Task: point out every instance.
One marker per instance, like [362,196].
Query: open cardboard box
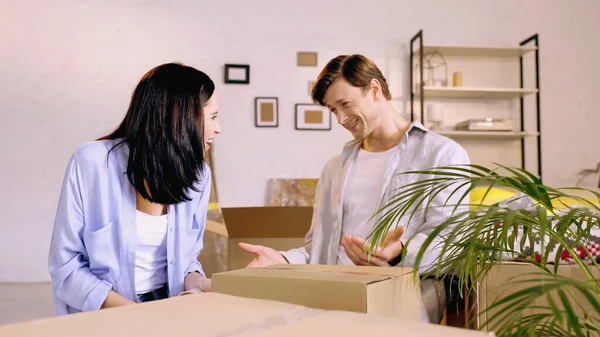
[502,279]
[223,315]
[384,291]
[278,227]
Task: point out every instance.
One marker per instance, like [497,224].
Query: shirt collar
[352,147]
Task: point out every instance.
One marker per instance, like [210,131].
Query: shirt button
[172,262]
[171,229]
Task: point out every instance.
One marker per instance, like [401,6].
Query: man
[354,184]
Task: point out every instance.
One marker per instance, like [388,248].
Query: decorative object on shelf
[312,117]
[434,116]
[457,79]
[433,76]
[307,59]
[237,73]
[266,112]
[486,124]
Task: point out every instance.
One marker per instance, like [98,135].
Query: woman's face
[211,124]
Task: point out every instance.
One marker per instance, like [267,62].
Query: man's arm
[302,255]
[436,214]
[267,256]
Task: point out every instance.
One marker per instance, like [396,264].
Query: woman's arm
[73,283]
[196,280]
[201,213]
[115,300]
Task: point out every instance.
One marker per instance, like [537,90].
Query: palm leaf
[468,243]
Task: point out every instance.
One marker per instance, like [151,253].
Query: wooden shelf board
[475,92]
[486,134]
[478,51]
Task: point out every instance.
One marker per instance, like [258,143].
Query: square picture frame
[237,73]
[312,117]
[266,112]
[307,59]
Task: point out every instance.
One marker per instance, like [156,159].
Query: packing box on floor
[223,315]
[278,227]
[507,278]
[385,291]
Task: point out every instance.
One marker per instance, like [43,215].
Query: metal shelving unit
[529,45]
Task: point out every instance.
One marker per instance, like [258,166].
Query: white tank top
[151,253]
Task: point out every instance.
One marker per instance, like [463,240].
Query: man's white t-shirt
[362,194]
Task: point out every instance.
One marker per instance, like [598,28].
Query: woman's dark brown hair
[164,132]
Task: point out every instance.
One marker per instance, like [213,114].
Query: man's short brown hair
[356,69]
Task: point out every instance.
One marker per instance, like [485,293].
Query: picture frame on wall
[307,59]
[266,112]
[237,73]
[312,117]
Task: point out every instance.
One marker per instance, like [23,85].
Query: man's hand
[265,256]
[357,249]
[195,280]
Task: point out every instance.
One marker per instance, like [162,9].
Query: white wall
[67,69]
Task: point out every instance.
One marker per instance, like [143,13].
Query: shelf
[487,134]
[473,92]
[478,51]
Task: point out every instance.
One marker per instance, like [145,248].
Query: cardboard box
[500,282]
[385,291]
[222,315]
[278,227]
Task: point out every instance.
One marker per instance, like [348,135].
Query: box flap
[267,222]
[345,274]
[215,227]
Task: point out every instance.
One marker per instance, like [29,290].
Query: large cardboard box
[214,252]
[226,316]
[278,227]
[507,278]
[385,291]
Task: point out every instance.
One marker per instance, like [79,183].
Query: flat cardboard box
[500,282]
[385,291]
[223,315]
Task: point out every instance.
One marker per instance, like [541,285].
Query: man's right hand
[265,256]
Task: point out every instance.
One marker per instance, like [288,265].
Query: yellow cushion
[561,203]
[495,195]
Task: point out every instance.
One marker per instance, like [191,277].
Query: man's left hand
[357,249]
[195,280]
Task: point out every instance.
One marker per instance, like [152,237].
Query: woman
[132,209]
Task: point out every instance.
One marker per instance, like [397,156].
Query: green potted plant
[482,236]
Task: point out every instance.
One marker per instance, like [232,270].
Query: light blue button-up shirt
[93,243]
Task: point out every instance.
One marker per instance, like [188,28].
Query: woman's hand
[115,300]
[195,280]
